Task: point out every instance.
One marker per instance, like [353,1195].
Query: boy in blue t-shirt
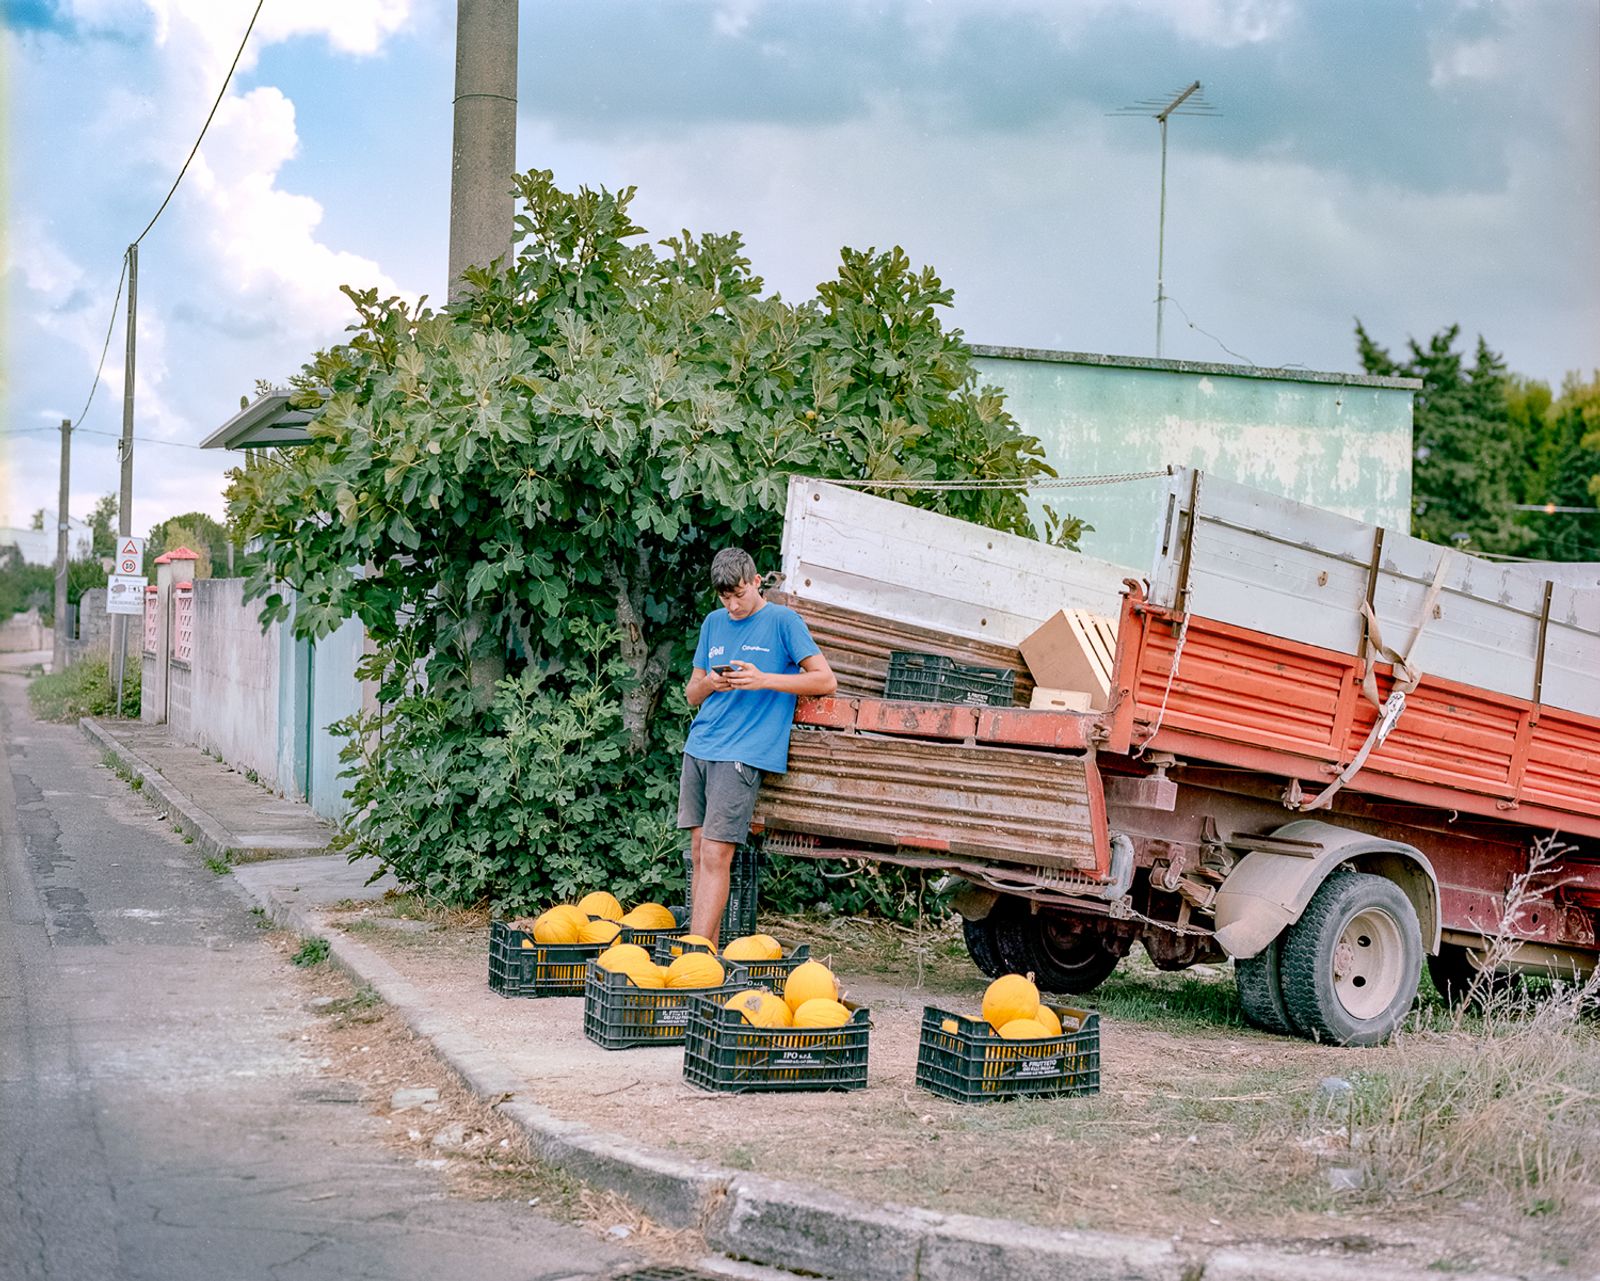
[752,661]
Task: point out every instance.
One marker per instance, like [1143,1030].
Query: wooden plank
[1279,567]
[989,802]
[848,548]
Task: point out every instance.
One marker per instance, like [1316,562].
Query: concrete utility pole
[58,653]
[484,154]
[125,449]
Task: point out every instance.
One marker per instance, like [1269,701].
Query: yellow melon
[556,926]
[622,957]
[697,939]
[1010,997]
[599,931]
[1046,1017]
[650,975]
[1024,1030]
[950,1025]
[528,943]
[694,969]
[601,906]
[650,916]
[754,947]
[763,1009]
[808,981]
[821,1012]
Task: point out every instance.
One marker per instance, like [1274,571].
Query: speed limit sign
[130,555]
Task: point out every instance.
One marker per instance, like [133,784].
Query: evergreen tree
[1464,446]
[1569,474]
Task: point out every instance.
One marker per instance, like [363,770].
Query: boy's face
[742,600]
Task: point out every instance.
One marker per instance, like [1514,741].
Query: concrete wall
[231,684]
[1338,441]
[23,634]
[94,628]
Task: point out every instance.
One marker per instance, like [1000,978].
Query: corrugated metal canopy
[267,422]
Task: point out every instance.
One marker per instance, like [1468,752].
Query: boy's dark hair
[730,567]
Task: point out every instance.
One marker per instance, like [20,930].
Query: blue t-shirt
[749,725]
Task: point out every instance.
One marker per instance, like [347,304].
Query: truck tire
[1060,957]
[1261,990]
[982,944]
[1351,963]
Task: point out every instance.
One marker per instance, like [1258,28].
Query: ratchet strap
[1406,677]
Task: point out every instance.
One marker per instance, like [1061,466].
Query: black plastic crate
[933,678]
[974,1064]
[768,973]
[725,1053]
[617,1015]
[744,889]
[647,939]
[518,966]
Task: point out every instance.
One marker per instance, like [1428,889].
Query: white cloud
[732,17]
[1466,60]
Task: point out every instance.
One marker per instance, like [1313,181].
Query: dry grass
[365,1042]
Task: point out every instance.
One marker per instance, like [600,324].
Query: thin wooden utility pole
[58,651]
[125,497]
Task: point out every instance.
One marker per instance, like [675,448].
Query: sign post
[125,595]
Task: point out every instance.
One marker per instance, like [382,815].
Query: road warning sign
[130,556]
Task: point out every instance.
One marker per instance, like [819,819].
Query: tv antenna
[1189,101]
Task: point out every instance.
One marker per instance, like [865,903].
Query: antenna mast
[1189,101]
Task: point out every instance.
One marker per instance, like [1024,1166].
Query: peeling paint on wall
[1342,442]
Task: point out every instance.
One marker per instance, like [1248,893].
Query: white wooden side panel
[1266,563]
[843,547]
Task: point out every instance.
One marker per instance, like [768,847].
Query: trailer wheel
[1061,956]
[1261,989]
[983,945]
[1351,963]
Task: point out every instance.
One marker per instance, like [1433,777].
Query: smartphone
[724,669]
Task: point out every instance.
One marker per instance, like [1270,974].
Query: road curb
[808,1229]
[213,840]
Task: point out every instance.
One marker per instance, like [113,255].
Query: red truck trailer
[1324,750]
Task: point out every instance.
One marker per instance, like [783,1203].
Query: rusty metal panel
[991,802]
[1563,767]
[1257,702]
[1242,686]
[1446,736]
[857,647]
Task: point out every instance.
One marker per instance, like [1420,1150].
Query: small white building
[38,546]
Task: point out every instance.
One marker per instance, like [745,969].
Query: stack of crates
[744,888]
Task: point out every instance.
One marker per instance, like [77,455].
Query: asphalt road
[157,1121]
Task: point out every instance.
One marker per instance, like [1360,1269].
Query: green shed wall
[1341,442]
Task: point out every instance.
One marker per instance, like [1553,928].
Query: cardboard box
[1073,649]
[1061,700]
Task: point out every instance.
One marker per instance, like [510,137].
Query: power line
[90,431]
[123,275]
[105,346]
[226,81]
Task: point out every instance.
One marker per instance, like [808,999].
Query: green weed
[313,951]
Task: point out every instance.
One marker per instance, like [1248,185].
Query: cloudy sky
[1415,163]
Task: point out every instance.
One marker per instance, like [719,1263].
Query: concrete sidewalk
[229,817]
[768,1221]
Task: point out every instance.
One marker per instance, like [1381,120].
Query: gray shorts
[718,797]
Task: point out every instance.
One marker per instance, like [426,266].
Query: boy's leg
[730,800]
[712,868]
